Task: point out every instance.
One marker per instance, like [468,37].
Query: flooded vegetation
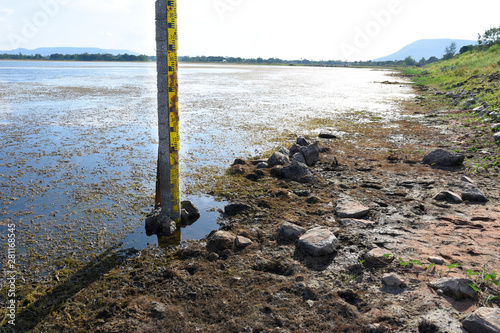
[79,142]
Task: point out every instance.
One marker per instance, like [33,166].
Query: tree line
[80,57]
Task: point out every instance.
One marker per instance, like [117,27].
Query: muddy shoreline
[247,277]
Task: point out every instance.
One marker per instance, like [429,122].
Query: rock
[158,224]
[436,260]
[347,208]
[299,158]
[448,196]
[278,158]
[479,109]
[454,287]
[392,280]
[284,151]
[220,241]
[378,257]
[483,320]
[440,321]
[290,232]
[239,161]
[189,212]
[295,149]
[301,141]
[495,127]
[356,223]
[318,242]
[235,209]
[496,137]
[242,242]
[473,194]
[324,134]
[311,154]
[237,169]
[441,157]
[262,165]
[495,115]
[466,179]
[298,171]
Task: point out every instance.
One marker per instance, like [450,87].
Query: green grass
[470,71]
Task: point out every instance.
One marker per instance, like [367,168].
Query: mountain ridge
[47,51]
[425,48]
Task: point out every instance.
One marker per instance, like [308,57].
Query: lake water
[79,141]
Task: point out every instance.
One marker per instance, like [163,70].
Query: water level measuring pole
[168,175]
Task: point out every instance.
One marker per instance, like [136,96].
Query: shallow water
[79,141]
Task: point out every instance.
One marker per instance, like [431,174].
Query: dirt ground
[271,286]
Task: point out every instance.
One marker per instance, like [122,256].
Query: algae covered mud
[79,142]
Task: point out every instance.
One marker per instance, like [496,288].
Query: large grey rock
[441,157]
[311,153]
[278,158]
[472,193]
[318,242]
[297,171]
[349,208]
[284,151]
[290,232]
[484,320]
[454,287]
[479,109]
[242,242]
[495,127]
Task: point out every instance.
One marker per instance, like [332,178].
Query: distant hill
[46,51]
[426,48]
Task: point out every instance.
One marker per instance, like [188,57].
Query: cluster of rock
[291,164]
[160,224]
[493,117]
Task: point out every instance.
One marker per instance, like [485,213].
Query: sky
[288,29]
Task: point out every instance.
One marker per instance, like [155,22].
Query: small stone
[262,165]
[190,213]
[483,320]
[220,241]
[318,242]
[473,194]
[441,157]
[392,280]
[466,179]
[350,208]
[242,242]
[436,260]
[449,197]
[324,134]
[454,287]
[479,109]
[378,257]
[496,137]
[284,151]
[290,232]
[357,223]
